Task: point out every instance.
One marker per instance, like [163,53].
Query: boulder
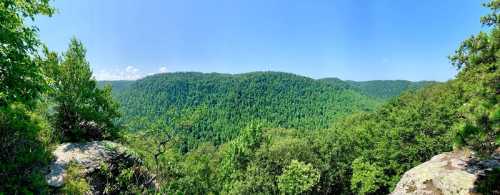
[90,156]
[458,172]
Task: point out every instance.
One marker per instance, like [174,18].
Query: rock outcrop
[457,172]
[91,156]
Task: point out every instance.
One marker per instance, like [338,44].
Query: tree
[366,177]
[21,78]
[83,111]
[23,150]
[297,178]
[479,82]
[237,154]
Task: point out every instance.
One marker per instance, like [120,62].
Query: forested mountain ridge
[117,86]
[386,89]
[222,104]
[225,103]
[381,89]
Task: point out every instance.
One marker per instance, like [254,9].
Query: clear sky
[349,39]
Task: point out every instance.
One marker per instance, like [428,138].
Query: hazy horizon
[135,79]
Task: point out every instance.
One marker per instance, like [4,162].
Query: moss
[119,176]
[75,181]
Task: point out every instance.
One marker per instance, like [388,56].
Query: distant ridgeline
[214,107]
[382,89]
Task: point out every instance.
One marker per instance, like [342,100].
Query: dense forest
[384,142]
[253,133]
[387,89]
[214,107]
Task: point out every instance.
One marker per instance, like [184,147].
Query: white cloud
[163,69]
[131,69]
[130,73]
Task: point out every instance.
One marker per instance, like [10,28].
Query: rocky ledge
[92,157]
[458,172]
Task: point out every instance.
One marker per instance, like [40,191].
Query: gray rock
[56,176]
[448,173]
[89,155]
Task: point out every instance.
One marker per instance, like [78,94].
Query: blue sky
[348,39]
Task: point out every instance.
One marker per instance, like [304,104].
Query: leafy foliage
[26,82]
[24,132]
[23,149]
[297,178]
[366,177]
[120,175]
[21,78]
[479,83]
[83,111]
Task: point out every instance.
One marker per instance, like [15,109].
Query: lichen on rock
[100,162]
[457,172]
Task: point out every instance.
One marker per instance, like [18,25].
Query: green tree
[297,178]
[366,177]
[237,154]
[21,78]
[83,111]
[197,169]
[398,136]
[479,82]
[23,149]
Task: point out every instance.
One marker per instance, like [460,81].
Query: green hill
[118,86]
[382,89]
[216,106]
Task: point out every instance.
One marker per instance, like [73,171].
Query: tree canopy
[479,83]
[83,110]
[21,77]
[24,132]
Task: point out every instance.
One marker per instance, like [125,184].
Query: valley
[71,123]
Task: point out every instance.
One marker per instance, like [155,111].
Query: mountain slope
[216,106]
[386,89]
[380,89]
[117,86]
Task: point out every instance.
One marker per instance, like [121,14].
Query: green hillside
[214,107]
[217,106]
[382,89]
[118,86]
